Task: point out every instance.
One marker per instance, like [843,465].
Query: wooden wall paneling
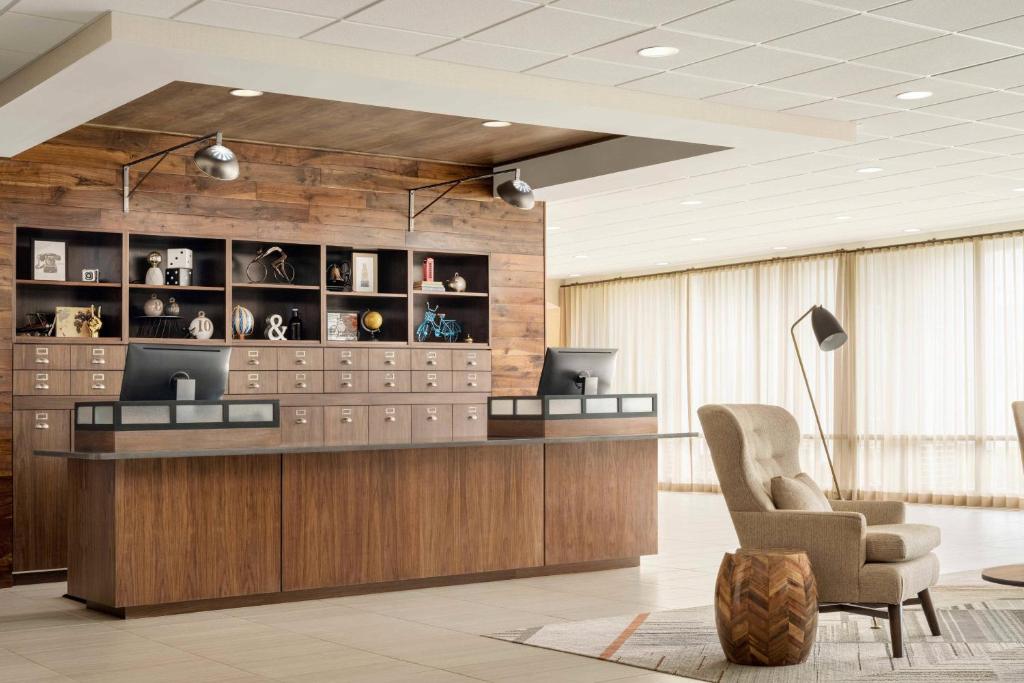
[7,325]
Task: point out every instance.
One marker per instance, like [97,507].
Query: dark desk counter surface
[328,448]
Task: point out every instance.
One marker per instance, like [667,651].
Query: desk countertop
[327,448]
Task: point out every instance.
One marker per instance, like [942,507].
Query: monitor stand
[184,387]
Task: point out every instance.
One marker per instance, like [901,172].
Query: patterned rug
[982,626]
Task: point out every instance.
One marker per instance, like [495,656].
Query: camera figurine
[90,275]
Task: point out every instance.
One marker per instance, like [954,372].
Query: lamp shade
[517,192]
[827,330]
[217,161]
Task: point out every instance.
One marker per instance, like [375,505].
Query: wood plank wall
[283,193]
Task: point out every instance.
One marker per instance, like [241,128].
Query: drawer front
[98,357]
[303,382]
[387,381]
[300,359]
[302,426]
[244,358]
[41,356]
[431,423]
[345,359]
[346,425]
[469,421]
[96,382]
[431,380]
[345,381]
[387,359]
[252,382]
[471,381]
[471,360]
[42,382]
[431,359]
[389,424]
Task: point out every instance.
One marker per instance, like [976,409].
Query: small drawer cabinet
[96,382]
[389,424]
[302,426]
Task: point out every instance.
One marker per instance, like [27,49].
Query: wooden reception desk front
[166,529]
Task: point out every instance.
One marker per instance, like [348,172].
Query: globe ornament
[371,322]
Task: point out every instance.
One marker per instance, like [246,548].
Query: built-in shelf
[174,340]
[26,339]
[369,295]
[468,294]
[268,285]
[180,288]
[67,283]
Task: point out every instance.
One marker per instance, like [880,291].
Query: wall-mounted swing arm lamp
[216,161]
[830,335]
[515,191]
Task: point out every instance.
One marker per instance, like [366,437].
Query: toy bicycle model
[257,270]
[448,330]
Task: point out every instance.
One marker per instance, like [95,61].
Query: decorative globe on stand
[371,322]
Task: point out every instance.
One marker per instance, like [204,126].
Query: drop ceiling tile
[1001,74]
[959,135]
[841,79]
[441,17]
[943,156]
[1012,166]
[1013,144]
[758,97]
[84,11]
[35,35]
[377,38]
[691,49]
[1010,31]
[805,163]
[335,9]
[756,65]
[590,71]
[943,91]
[856,36]
[680,85]
[254,19]
[953,15]
[1010,121]
[940,55]
[861,5]
[979,107]
[903,123]
[553,30]
[840,110]
[757,21]
[647,12]
[490,56]
[11,61]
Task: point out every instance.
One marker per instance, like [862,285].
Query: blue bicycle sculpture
[436,324]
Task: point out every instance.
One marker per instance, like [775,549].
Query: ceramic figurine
[172,307]
[153,306]
[201,327]
[154,276]
[457,283]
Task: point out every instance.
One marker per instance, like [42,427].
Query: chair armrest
[874,511]
[834,542]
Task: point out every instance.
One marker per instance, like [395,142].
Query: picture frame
[364,272]
[49,260]
[72,321]
[343,326]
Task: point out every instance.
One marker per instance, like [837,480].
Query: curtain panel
[916,405]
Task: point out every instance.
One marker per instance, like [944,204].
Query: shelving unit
[220,283]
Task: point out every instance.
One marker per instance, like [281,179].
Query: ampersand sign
[275,328]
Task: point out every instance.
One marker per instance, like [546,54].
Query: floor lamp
[830,335]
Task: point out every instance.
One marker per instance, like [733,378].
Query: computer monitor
[152,370]
[564,370]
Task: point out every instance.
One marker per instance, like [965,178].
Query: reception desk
[163,530]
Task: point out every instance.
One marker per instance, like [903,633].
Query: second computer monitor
[151,371]
[565,370]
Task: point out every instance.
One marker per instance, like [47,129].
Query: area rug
[983,640]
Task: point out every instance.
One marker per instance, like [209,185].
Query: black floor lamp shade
[827,330]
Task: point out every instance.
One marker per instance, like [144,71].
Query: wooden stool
[766,607]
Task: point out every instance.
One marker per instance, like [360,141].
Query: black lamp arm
[413,213]
[129,191]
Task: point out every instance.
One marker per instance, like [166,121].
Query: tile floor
[424,636]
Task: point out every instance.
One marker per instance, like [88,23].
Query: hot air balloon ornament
[242,322]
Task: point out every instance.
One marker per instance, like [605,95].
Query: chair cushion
[900,542]
[799,493]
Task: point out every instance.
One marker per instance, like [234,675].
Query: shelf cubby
[208,257]
[83,249]
[392,267]
[472,267]
[266,301]
[304,258]
[470,312]
[35,297]
[190,300]
[393,308]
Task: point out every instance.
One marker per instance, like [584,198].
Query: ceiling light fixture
[691,202]
[495,124]
[575,274]
[216,161]
[870,169]
[661,263]
[554,227]
[658,51]
[516,192]
[912,230]
[780,248]
[915,95]
[245,92]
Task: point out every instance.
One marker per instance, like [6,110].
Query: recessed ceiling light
[915,95]
[554,227]
[780,248]
[580,256]
[575,274]
[870,169]
[658,51]
[843,218]
[661,263]
[245,92]
[912,230]
[691,202]
[698,239]
[496,124]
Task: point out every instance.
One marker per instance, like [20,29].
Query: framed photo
[49,260]
[343,326]
[77,321]
[364,272]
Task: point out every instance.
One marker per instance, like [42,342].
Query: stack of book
[429,286]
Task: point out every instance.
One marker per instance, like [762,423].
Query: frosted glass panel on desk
[84,415]
[565,406]
[502,407]
[529,406]
[602,405]
[638,404]
[250,412]
[143,415]
[192,414]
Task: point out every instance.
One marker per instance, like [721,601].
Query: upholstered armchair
[863,554]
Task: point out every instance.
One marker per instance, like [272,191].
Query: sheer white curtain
[917,404]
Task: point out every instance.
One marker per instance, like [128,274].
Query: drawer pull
[254,361]
[389,418]
[472,417]
[42,425]
[347,384]
[301,385]
[389,361]
[471,363]
[99,386]
[389,384]
[42,361]
[42,385]
[431,418]
[431,384]
[96,361]
[346,420]
[346,361]
[254,385]
[301,421]
[431,362]
[470,384]
[300,361]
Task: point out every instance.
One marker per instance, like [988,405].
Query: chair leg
[896,629]
[929,612]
